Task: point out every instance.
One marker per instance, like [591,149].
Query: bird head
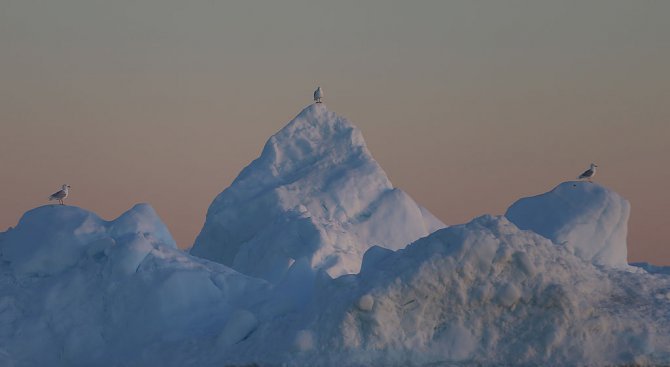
[65,186]
[593,165]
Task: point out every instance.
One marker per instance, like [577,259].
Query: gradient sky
[468,105]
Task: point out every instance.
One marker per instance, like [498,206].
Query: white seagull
[589,173]
[60,195]
[318,94]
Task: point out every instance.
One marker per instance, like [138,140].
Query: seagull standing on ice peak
[589,173]
[60,195]
[318,94]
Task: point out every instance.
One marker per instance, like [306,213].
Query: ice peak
[314,192]
[143,219]
[314,135]
[316,143]
[315,109]
[314,114]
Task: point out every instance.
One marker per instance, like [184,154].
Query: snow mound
[51,238]
[315,192]
[585,217]
[484,293]
[81,290]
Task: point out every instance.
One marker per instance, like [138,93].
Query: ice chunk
[51,238]
[585,217]
[314,192]
[366,302]
[142,219]
[84,291]
[488,292]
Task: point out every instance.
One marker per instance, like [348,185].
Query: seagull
[60,195]
[318,94]
[589,173]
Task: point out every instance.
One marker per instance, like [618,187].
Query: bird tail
[52,198]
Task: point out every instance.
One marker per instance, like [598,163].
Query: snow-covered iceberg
[546,284]
[76,290]
[585,217]
[50,239]
[316,193]
[485,293]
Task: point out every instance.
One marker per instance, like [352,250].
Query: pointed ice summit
[315,193]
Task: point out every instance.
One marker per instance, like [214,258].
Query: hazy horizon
[467,106]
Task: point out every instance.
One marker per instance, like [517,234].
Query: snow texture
[653,269]
[585,217]
[316,193]
[84,292]
[76,290]
[484,293]
[50,239]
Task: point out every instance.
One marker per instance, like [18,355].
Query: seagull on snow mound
[589,173]
[60,195]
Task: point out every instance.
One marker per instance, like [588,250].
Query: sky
[467,105]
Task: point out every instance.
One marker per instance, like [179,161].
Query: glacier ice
[49,239]
[311,267]
[585,217]
[315,192]
[483,293]
[81,290]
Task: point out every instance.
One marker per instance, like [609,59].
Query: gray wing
[588,173]
[57,195]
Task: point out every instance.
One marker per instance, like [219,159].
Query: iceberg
[81,290]
[482,293]
[312,257]
[316,193]
[585,217]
